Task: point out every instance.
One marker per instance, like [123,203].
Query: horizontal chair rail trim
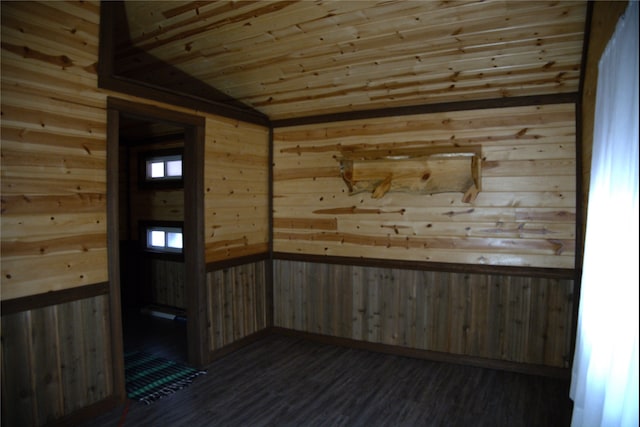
[551,273]
[234,262]
[32,302]
[435,356]
[442,107]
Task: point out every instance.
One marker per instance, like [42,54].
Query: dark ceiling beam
[113,21]
[431,108]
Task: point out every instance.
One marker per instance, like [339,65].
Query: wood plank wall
[54,212]
[54,223]
[55,360]
[236,189]
[168,284]
[501,317]
[53,149]
[524,215]
[237,302]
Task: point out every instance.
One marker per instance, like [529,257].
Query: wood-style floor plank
[161,337]
[287,381]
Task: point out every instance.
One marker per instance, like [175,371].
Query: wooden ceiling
[297,59]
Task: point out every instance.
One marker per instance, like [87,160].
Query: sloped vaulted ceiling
[296,59]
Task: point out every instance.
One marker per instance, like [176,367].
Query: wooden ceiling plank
[147,19]
[184,32]
[497,77]
[300,108]
[289,47]
[442,64]
[435,26]
[307,58]
[577,45]
[276,80]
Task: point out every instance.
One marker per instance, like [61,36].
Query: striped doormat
[149,378]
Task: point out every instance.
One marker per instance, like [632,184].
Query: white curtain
[604,384]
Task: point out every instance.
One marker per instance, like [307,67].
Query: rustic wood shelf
[421,171]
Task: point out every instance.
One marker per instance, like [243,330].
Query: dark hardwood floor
[285,381]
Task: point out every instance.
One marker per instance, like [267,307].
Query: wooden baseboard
[502,365]
[248,259]
[236,345]
[89,412]
[552,273]
[33,302]
[435,356]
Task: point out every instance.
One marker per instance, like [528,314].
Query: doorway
[151,218]
[156,130]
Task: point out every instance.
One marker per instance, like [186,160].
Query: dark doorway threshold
[155,335]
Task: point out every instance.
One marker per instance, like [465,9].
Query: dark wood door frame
[195,269]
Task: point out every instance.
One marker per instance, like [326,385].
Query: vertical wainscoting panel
[506,318]
[237,303]
[56,360]
[167,282]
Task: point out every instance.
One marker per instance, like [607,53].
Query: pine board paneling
[236,189]
[18,394]
[167,281]
[509,318]
[237,303]
[53,150]
[296,59]
[72,268]
[56,360]
[54,208]
[524,215]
